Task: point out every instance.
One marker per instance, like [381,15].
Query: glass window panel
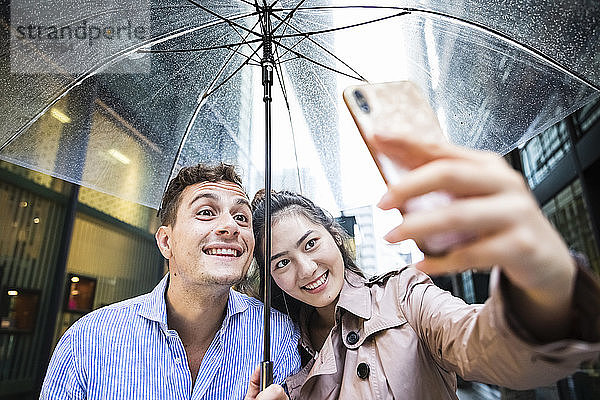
[588,115]
[39,178]
[124,210]
[568,213]
[543,152]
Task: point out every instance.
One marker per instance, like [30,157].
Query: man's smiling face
[211,240]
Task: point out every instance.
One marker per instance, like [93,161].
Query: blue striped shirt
[127,351]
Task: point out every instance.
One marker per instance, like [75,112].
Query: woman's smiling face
[306,262]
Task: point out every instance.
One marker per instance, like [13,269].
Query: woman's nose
[308,267]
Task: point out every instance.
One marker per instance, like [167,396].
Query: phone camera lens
[362,102]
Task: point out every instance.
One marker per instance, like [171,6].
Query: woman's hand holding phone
[464,208]
[491,200]
[400,109]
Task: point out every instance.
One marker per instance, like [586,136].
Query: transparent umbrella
[117,96]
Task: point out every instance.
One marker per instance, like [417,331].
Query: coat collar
[356,300]
[355,296]
[358,311]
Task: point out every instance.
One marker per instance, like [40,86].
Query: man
[192,337]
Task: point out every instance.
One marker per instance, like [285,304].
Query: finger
[478,216]
[273,392]
[412,151]
[540,271]
[481,254]
[458,177]
[516,247]
[253,385]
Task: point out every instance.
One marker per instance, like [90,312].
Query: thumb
[253,385]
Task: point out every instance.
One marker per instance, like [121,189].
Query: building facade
[562,168]
[64,251]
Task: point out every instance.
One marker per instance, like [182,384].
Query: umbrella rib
[247,34]
[151,99]
[166,37]
[91,71]
[295,44]
[288,60]
[223,46]
[263,26]
[225,19]
[343,27]
[317,62]
[286,25]
[203,49]
[288,16]
[484,28]
[278,69]
[235,51]
[247,2]
[182,141]
[248,59]
[197,111]
[279,73]
[346,7]
[327,51]
[279,57]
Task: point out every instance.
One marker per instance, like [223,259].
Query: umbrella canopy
[118,95]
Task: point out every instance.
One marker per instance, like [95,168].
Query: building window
[543,152]
[568,213]
[587,117]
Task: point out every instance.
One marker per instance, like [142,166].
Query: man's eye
[310,244]
[282,263]
[205,212]
[241,218]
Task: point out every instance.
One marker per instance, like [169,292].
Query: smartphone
[400,108]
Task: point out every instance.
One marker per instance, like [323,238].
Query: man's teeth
[317,283]
[222,252]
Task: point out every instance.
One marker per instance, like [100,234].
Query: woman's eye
[282,263]
[310,244]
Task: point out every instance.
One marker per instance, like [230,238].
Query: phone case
[399,108]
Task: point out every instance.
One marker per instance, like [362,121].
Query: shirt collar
[355,296]
[154,306]
[236,304]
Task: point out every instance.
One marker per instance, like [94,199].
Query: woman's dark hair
[282,204]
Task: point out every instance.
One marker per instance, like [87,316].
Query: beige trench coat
[401,337]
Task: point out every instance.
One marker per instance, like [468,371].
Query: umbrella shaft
[267,372]
[266,376]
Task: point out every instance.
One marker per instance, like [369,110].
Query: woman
[398,335]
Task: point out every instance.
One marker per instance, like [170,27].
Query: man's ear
[163,241]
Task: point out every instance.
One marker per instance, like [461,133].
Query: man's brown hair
[188,176]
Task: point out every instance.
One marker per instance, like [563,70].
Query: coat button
[363,370]
[352,338]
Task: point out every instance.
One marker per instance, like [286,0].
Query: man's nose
[227,226]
